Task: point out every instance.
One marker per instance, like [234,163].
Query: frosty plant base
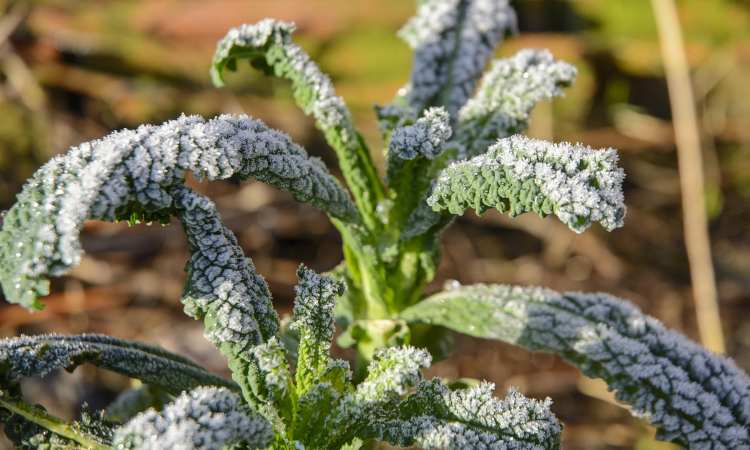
[452,143]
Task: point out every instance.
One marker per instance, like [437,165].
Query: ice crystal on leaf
[695,398]
[452,41]
[204,419]
[579,185]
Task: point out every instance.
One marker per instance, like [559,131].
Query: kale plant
[452,143]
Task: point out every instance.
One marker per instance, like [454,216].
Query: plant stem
[51,423]
[695,222]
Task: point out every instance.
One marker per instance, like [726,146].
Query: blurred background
[71,71]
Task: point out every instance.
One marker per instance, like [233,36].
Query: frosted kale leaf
[452,41]
[268,46]
[205,418]
[132,174]
[28,356]
[507,93]
[223,287]
[313,319]
[518,174]
[695,398]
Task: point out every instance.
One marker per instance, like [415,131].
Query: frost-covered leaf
[223,288]
[131,174]
[695,398]
[452,41]
[204,418]
[268,46]
[436,417]
[519,174]
[29,356]
[506,95]
[313,318]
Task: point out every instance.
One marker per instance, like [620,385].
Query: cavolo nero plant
[452,143]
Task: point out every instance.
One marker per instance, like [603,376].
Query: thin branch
[695,221]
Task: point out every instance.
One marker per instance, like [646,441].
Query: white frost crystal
[507,93]
[452,41]
[202,419]
[134,173]
[694,397]
[518,174]
[423,138]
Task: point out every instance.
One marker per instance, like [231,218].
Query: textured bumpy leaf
[205,418]
[268,46]
[518,174]
[28,356]
[452,41]
[437,418]
[313,319]
[695,398]
[223,287]
[506,95]
[131,174]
